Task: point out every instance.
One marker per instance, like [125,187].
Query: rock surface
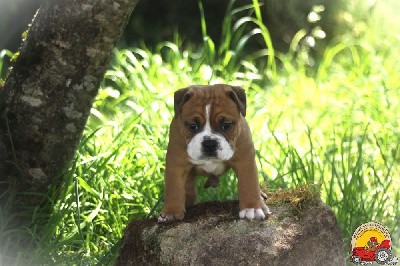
[213,234]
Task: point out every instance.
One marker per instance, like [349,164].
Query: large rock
[213,234]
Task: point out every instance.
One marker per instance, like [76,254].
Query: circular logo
[371,242]
[365,231]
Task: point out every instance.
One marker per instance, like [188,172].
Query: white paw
[165,218]
[251,213]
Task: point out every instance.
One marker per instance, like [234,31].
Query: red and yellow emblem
[371,242]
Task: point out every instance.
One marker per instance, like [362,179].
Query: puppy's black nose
[209,147]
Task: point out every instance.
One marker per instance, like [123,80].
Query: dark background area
[15,15]
[154,21]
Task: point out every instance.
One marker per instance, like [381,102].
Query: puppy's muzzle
[209,147]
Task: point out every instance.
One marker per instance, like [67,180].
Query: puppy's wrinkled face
[210,116]
[211,136]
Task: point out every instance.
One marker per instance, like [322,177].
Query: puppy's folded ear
[180,97]
[238,95]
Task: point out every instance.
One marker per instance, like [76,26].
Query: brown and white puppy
[208,136]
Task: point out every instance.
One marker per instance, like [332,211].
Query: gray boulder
[213,234]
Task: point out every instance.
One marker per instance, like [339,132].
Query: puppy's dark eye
[193,127]
[226,125]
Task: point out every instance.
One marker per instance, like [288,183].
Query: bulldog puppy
[208,136]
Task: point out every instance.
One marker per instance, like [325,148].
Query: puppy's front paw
[252,213]
[165,218]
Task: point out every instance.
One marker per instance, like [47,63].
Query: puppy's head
[210,120]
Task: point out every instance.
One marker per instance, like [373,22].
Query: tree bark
[47,96]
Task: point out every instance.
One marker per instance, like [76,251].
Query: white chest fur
[211,167]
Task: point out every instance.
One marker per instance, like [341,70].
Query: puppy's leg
[251,203]
[190,189]
[174,201]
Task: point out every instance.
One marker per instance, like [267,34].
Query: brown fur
[180,174]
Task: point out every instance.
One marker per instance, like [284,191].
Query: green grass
[335,125]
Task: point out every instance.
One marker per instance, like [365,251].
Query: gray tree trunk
[47,96]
